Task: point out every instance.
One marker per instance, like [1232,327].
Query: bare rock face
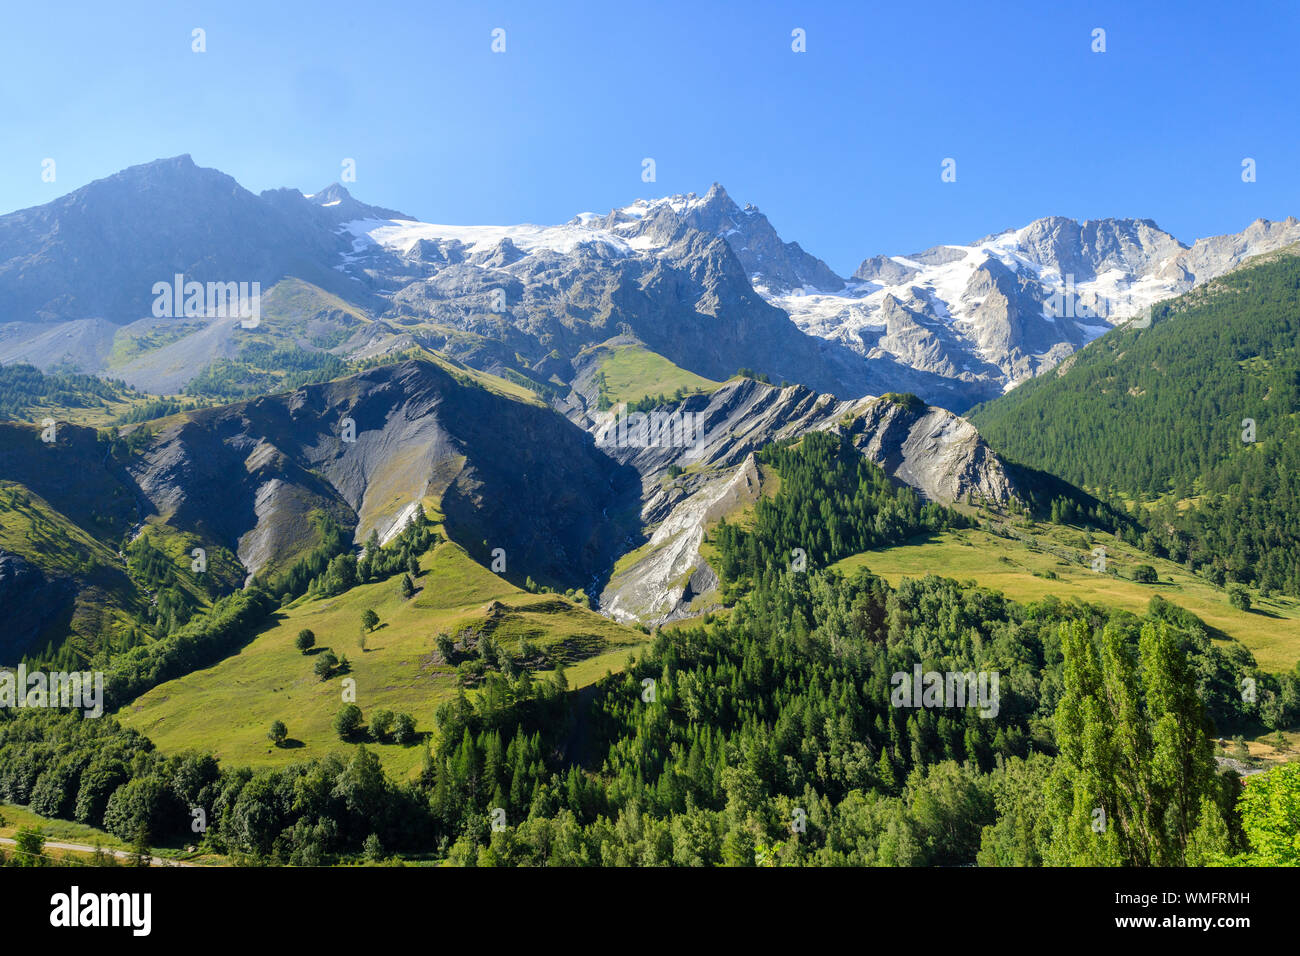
[510,473]
[940,455]
[920,339]
[885,270]
[662,585]
[1087,249]
[929,449]
[769,262]
[1008,321]
[1211,257]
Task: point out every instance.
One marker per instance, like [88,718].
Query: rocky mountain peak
[770,262]
[334,192]
[341,206]
[1089,248]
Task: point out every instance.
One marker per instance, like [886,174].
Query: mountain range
[698,279]
[498,352]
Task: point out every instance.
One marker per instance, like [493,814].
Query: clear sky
[841,146]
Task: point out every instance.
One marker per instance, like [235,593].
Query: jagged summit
[706,282]
[1014,303]
[773,265]
[343,207]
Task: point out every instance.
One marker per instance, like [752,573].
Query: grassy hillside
[1055,564]
[466,375]
[399,668]
[631,373]
[317,317]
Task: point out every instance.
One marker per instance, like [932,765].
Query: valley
[389,551]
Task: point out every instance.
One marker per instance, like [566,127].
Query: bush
[1145,574]
[446,647]
[325,664]
[403,729]
[278,733]
[469,673]
[30,845]
[381,723]
[1239,597]
[347,721]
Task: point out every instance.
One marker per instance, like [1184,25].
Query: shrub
[1145,574]
[403,729]
[347,721]
[446,647]
[278,732]
[381,723]
[325,664]
[1239,597]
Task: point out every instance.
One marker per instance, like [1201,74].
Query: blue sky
[840,146]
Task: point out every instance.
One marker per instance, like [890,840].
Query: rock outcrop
[929,449]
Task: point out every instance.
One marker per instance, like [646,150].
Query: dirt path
[120,854]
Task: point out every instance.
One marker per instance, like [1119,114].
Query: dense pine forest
[1199,409]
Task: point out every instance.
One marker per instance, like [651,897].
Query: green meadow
[227,709]
[632,372]
[1028,572]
